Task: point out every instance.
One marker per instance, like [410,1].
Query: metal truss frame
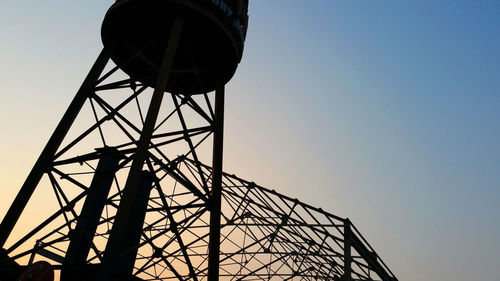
[260,234]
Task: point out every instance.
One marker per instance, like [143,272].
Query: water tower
[122,190]
[180,49]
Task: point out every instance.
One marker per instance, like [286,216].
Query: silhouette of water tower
[187,48]
[130,195]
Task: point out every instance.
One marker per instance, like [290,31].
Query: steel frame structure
[197,222]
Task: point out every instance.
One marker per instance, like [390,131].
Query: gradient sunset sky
[386,112]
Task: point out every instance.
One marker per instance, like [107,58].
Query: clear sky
[387,112]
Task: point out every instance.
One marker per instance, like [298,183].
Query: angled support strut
[113,252]
[47,155]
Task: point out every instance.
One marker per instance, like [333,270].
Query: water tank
[135,33]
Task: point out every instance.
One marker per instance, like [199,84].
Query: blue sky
[387,112]
[390,114]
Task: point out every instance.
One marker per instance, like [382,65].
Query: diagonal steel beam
[47,155]
[132,184]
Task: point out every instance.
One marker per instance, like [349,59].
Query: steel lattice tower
[133,196]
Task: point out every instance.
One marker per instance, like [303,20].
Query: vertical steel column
[46,157]
[81,237]
[215,200]
[132,235]
[347,250]
[132,184]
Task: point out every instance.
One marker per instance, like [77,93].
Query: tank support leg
[132,236]
[46,157]
[88,221]
[120,225]
[216,194]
